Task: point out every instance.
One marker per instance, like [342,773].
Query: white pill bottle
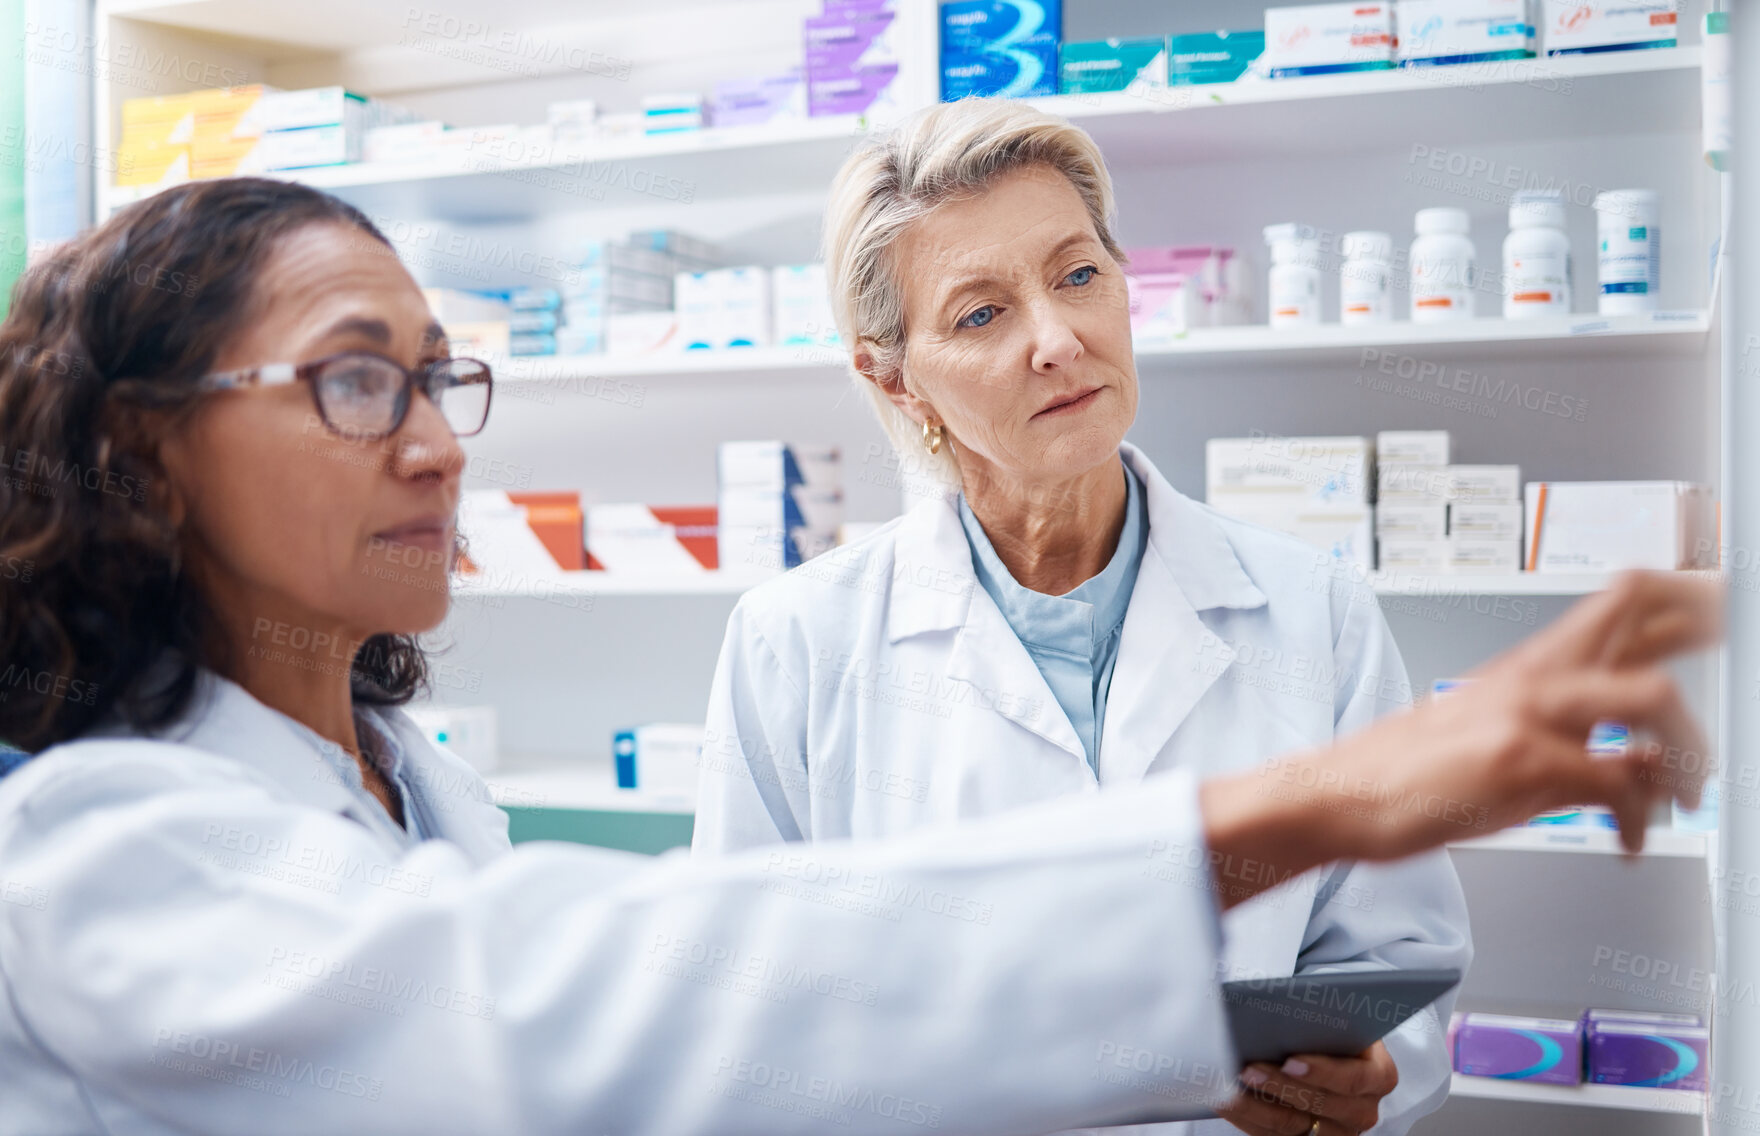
[1295,275]
[1629,245]
[1365,291]
[1536,257]
[1443,266]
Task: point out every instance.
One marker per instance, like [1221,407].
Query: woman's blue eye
[980,317]
[1081,276]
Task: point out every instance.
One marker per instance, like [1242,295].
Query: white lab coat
[205,936]
[879,688]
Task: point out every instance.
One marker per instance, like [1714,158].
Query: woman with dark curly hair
[242,893]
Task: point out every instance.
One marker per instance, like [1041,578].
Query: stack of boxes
[1175,289]
[757,100]
[780,504]
[1603,1047]
[852,59]
[1314,489]
[1434,517]
[244,130]
[620,301]
[802,307]
[998,48]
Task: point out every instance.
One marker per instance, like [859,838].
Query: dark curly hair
[98,358]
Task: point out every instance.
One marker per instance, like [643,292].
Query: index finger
[1638,619]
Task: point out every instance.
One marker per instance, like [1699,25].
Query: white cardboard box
[1292,471]
[1400,521]
[1485,483]
[1480,521]
[1608,25]
[1604,526]
[1490,557]
[1411,447]
[1401,555]
[1344,532]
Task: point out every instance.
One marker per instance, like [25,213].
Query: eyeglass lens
[366,395]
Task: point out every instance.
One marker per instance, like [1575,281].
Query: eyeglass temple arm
[270,374]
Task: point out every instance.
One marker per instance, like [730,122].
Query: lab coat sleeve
[222,960]
[1409,914]
[752,787]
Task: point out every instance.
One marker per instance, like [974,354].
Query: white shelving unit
[568,660]
[1673,1101]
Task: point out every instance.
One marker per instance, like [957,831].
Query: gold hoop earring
[932,438]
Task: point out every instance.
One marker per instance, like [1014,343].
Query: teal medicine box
[1212,57]
[1110,65]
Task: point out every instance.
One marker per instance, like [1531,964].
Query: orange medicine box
[558,522]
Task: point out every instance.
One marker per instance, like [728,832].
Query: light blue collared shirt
[380,740]
[1072,638]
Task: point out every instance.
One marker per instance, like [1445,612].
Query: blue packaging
[999,47]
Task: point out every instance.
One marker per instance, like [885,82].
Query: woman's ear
[892,385]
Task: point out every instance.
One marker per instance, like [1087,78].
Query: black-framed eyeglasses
[366,397]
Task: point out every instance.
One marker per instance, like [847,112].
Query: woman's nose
[426,445]
[1055,343]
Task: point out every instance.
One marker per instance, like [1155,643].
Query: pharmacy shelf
[1682,334]
[1418,586]
[717,583]
[1507,102]
[495,181]
[590,785]
[1665,842]
[574,584]
[1677,1101]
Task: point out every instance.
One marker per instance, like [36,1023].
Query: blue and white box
[1322,39]
[1444,32]
[1005,48]
[659,760]
[1588,27]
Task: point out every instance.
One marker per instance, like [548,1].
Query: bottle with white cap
[1443,267]
[1536,257]
[1364,279]
[1630,247]
[1295,274]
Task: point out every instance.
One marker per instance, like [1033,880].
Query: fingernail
[1253,1077]
[1296,1067]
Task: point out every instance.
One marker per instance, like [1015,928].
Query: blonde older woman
[1062,619]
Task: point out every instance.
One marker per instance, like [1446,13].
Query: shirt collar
[1091,612]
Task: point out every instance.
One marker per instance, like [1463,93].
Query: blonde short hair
[951,150]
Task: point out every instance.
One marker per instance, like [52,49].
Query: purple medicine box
[848,92]
[1519,1049]
[843,39]
[1658,1051]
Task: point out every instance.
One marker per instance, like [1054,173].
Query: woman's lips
[430,536]
[1080,402]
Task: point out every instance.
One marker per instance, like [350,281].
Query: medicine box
[1320,39]
[634,538]
[1548,1050]
[469,732]
[801,304]
[1342,531]
[1427,555]
[845,39]
[556,519]
[774,465]
[1604,526]
[1485,483]
[858,90]
[1212,57]
[660,760]
[1270,467]
[1655,1054]
[1111,65]
[1422,521]
[1476,520]
[1411,484]
[1484,557]
[629,334]
[999,47]
[1411,447]
[1591,26]
[1443,32]
[404,142]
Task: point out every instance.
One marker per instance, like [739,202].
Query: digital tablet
[1335,1015]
